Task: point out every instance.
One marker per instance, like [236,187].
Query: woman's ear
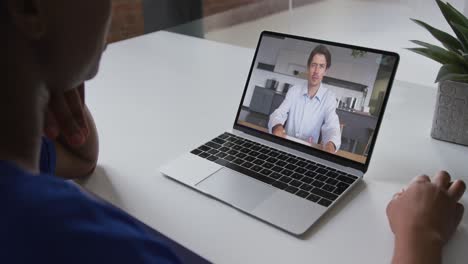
[27,16]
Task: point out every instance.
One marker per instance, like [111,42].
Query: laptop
[303,135]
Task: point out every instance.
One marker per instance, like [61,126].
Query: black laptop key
[339,190]
[302,194]
[266,172]
[224,149]
[281,163]
[247,145]
[264,151]
[342,185]
[258,162]
[232,152]
[256,148]
[241,155]
[274,154]
[300,170]
[262,157]
[292,160]
[212,151]
[256,168]
[196,151]
[311,167]
[302,164]
[275,175]
[249,158]
[272,160]
[331,181]
[245,150]
[268,165]
[238,161]
[250,173]
[345,179]
[318,184]
[324,202]
[291,189]
[228,145]
[254,153]
[295,183]
[321,178]
[321,171]
[247,165]
[297,176]
[314,198]
[236,147]
[230,158]
[280,185]
[221,155]
[224,136]
[328,188]
[330,196]
[310,174]
[219,141]
[287,172]
[277,168]
[213,145]
[204,148]
[332,174]
[285,179]
[204,155]
[305,187]
[291,167]
[212,158]
[307,180]
[282,157]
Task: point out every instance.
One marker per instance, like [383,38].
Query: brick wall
[211,7]
[127,20]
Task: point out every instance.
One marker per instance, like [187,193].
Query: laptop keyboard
[304,178]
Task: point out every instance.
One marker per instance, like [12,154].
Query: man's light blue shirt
[305,117]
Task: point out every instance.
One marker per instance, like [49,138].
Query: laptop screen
[321,95]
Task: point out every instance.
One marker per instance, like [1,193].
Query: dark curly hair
[3,13]
[320,49]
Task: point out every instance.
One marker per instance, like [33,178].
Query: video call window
[326,97]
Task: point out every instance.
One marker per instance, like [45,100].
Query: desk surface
[162,94]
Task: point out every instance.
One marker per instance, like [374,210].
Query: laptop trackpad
[237,189]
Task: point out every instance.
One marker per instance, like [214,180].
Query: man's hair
[3,12]
[320,49]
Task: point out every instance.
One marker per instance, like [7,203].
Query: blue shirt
[307,117]
[45,219]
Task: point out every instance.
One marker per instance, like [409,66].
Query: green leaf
[432,55]
[446,39]
[454,17]
[439,54]
[460,16]
[449,72]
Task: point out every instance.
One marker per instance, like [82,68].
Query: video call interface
[322,96]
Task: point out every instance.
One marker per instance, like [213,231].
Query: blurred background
[382,24]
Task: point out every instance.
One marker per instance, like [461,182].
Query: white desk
[162,94]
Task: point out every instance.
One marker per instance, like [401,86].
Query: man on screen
[309,110]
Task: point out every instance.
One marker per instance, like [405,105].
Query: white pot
[451,113]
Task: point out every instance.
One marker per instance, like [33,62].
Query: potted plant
[450,121]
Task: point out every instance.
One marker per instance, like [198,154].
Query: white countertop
[162,94]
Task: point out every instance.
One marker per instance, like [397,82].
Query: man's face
[317,69]
[74,40]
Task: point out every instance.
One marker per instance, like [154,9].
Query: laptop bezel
[309,150]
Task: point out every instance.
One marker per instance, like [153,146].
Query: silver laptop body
[291,202]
